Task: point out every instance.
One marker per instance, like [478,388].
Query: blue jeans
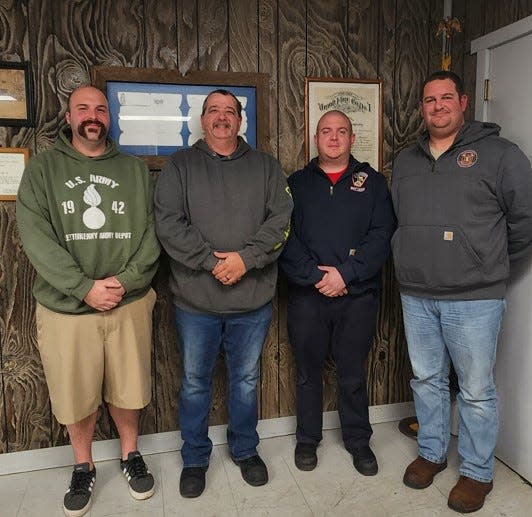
[201,337]
[464,332]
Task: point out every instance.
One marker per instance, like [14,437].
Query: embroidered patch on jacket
[358,179]
[467,158]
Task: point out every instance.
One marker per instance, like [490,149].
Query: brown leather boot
[420,473]
[468,495]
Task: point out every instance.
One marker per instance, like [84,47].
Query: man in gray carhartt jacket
[463,199]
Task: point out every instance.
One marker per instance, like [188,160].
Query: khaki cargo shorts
[89,355]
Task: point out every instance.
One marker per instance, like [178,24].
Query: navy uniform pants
[345,327]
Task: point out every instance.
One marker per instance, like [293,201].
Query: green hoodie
[83,219]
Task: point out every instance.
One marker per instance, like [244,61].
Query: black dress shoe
[192,481]
[364,460]
[305,456]
[253,470]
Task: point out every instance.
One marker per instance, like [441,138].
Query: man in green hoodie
[85,217]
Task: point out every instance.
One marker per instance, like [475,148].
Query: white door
[504,57]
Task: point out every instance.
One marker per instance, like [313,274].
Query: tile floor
[333,489]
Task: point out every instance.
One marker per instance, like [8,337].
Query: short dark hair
[221,91]
[445,74]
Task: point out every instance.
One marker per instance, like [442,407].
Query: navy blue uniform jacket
[348,226]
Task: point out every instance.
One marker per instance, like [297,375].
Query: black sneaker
[77,499]
[365,461]
[305,456]
[253,470]
[138,476]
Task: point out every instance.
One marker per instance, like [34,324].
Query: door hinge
[486,89]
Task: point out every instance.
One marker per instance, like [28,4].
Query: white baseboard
[61,456]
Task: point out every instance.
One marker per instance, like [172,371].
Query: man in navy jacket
[340,238]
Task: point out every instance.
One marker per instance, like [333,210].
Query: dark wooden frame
[100,75]
[28,92]
[351,84]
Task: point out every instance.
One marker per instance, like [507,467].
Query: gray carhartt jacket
[461,217]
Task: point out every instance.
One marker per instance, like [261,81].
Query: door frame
[482,47]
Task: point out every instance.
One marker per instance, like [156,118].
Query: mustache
[93,122]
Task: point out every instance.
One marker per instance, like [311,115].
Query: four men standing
[462,197]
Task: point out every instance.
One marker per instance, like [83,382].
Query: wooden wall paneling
[14,46]
[498,14]
[25,395]
[268,63]
[213,35]
[167,360]
[458,49]
[377,365]
[363,39]
[267,58]
[187,36]
[434,43]
[243,36]
[473,27]
[160,28]
[27,410]
[326,38]
[291,88]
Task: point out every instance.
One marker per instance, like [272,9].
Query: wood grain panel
[498,14]
[213,37]
[363,39]
[243,36]
[187,36]
[268,63]
[160,33]
[326,38]
[473,28]
[167,361]
[434,43]
[291,85]
[25,394]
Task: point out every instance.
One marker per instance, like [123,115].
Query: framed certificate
[360,100]
[12,163]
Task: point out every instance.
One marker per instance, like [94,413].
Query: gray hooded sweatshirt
[461,217]
[204,203]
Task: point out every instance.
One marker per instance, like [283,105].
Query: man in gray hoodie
[463,199]
[222,214]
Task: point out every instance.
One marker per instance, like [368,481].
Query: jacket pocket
[435,256]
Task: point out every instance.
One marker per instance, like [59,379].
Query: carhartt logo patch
[358,179]
[467,158]
[448,236]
